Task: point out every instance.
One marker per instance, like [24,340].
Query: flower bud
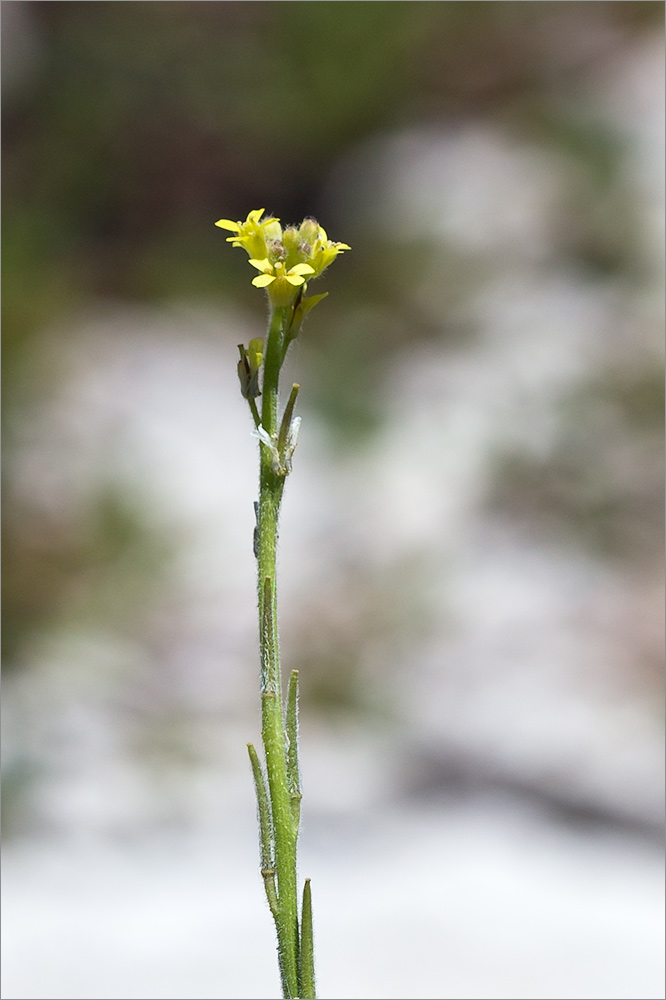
[309,230]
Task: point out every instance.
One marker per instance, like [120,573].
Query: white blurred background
[471,562]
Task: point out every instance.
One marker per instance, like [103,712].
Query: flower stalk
[286,259]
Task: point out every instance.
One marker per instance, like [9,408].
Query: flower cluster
[287,258]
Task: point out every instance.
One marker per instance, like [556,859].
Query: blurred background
[472,539]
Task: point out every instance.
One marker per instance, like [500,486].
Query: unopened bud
[309,230]
[290,240]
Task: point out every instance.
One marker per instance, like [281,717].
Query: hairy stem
[285,830]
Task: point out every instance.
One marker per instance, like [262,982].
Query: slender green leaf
[306,963]
[291,727]
[265,831]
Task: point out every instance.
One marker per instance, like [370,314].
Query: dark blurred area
[478,584]
[128,126]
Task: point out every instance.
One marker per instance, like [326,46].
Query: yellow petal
[262,280]
[301,269]
[228,224]
[322,234]
[262,265]
[254,215]
[295,279]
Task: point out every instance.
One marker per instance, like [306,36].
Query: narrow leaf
[306,963]
[293,771]
[265,831]
[303,308]
[269,680]
[286,417]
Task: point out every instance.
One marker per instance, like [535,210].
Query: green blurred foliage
[139,123]
[148,120]
[601,486]
[135,125]
[103,568]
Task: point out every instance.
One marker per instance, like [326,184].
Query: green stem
[254,411]
[285,831]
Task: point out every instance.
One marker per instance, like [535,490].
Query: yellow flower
[282,280]
[324,250]
[284,257]
[253,234]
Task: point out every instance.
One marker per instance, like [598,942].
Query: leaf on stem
[291,727]
[286,418]
[255,531]
[288,434]
[269,681]
[265,831]
[248,372]
[302,307]
[306,956]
